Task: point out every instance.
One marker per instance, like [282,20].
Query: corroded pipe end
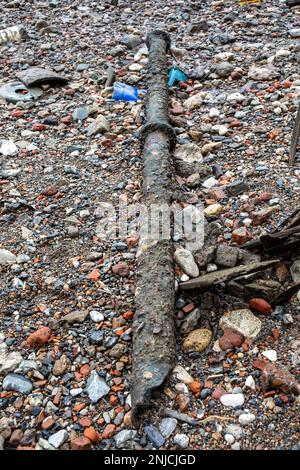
[157,34]
[148,377]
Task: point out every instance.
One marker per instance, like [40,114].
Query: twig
[295,137]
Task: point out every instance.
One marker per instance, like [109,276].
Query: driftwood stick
[153,326]
[295,138]
[216,277]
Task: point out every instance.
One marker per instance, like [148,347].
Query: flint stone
[100,125]
[167,426]
[36,76]
[124,436]
[17,383]
[6,257]
[10,362]
[96,387]
[57,439]
[154,436]
[232,400]
[185,260]
[190,322]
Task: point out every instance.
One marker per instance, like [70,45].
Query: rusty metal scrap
[153,327]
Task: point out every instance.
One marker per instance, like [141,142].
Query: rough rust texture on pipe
[153,326]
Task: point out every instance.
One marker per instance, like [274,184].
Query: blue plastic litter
[123,92]
[176,76]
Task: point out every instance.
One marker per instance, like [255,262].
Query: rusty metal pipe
[153,326]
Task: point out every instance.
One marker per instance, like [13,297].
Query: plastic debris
[17,91]
[13,33]
[124,92]
[176,76]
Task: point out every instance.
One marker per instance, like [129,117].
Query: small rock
[224,69]
[8,148]
[243,321]
[75,317]
[241,235]
[167,426]
[230,339]
[38,338]
[246,418]
[154,436]
[61,365]
[237,187]
[10,362]
[195,101]
[81,443]
[96,387]
[57,439]
[198,340]
[235,98]
[190,322]
[270,354]
[121,269]
[250,382]
[213,210]
[260,305]
[181,440]
[182,375]
[186,262]
[232,400]
[17,383]
[235,430]
[98,126]
[34,76]
[80,114]
[124,436]
[229,438]
[6,257]
[96,317]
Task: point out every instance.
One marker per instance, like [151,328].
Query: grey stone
[232,400]
[57,439]
[185,260]
[6,257]
[123,436]
[246,418]
[224,69]
[80,114]
[295,33]
[295,270]
[190,322]
[237,187]
[96,387]
[10,362]
[131,41]
[154,436]
[96,317]
[226,256]
[99,126]
[188,159]
[36,76]
[75,317]
[6,174]
[167,426]
[181,440]
[17,383]
[235,430]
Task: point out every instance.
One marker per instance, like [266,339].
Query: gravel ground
[68,385]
